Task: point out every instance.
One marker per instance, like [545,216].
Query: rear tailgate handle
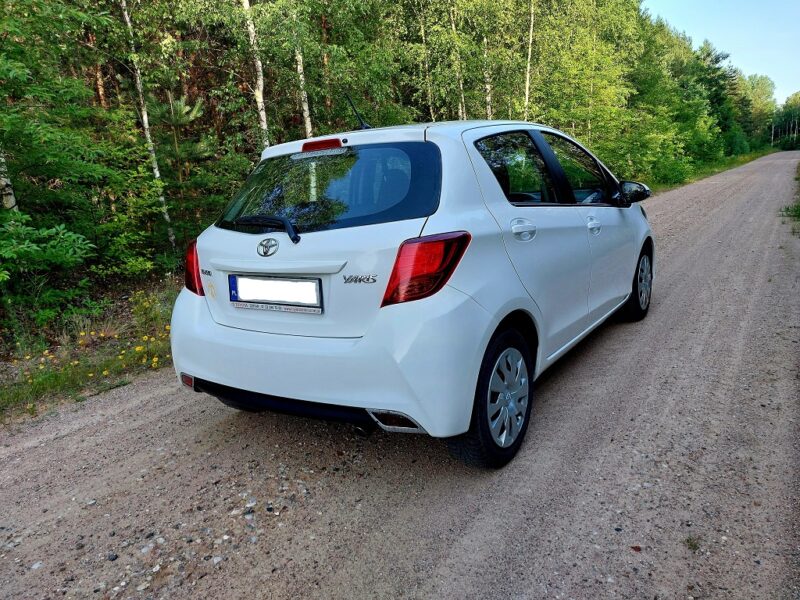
[594,225]
[293,267]
[523,230]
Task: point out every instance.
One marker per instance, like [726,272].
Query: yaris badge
[268,247]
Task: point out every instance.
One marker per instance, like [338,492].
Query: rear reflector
[187,380]
[322,145]
[424,265]
[192,275]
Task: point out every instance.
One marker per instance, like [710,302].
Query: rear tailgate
[354,198]
[352,266]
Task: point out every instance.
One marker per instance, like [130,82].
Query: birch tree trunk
[6,189]
[151,148]
[528,68]
[258,90]
[298,57]
[462,104]
[326,70]
[487,79]
[426,62]
[301,76]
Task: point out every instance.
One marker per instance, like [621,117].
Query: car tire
[638,303]
[502,407]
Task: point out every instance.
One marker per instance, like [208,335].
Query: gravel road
[662,461]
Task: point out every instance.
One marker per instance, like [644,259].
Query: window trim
[610,181]
[554,179]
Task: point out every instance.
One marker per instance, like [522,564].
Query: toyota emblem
[268,247]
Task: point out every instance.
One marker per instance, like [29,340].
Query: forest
[127,125]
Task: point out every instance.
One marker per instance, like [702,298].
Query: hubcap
[644,281]
[508,397]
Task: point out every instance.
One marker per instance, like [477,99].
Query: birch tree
[258,88]
[487,79]
[426,59]
[301,78]
[528,64]
[151,148]
[462,103]
[6,189]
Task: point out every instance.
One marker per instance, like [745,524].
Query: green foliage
[35,270]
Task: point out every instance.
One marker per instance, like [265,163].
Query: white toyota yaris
[418,277]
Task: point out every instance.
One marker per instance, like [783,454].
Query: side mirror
[633,191]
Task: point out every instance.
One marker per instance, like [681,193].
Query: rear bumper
[303,408]
[420,359]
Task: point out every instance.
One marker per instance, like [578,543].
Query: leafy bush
[37,270]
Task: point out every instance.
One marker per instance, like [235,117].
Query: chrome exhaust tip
[395,422]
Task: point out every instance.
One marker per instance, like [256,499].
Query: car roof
[451,127]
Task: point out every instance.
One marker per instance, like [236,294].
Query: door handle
[594,225]
[523,230]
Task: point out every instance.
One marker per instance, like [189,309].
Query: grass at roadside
[90,355]
[793,210]
[709,169]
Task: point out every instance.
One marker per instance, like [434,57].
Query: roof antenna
[361,122]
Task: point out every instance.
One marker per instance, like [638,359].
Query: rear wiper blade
[270,221]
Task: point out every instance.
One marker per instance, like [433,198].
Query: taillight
[424,265]
[193,281]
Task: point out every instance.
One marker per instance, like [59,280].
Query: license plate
[279,294]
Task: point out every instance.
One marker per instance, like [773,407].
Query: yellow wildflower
[91,374]
[27,357]
[83,333]
[139,348]
[105,372]
[92,333]
[144,338]
[152,339]
[167,327]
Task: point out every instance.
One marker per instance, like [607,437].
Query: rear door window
[340,187]
[518,167]
[583,174]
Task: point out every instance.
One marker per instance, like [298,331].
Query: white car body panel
[418,358]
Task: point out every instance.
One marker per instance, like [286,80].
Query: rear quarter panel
[485,272]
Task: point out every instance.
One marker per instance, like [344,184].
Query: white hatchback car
[420,277]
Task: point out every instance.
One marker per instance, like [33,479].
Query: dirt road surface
[662,461]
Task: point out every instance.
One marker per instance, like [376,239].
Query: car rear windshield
[339,187]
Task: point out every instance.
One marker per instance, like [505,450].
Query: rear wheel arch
[522,321]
